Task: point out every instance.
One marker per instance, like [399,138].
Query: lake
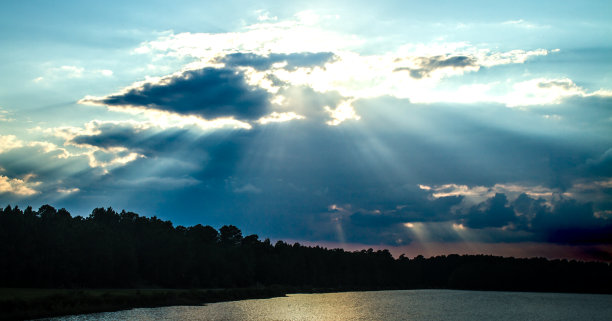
[386,305]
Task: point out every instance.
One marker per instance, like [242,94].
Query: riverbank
[21,304]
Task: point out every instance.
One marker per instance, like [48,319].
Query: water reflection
[387,305]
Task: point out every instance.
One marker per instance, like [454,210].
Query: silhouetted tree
[230,235]
[50,248]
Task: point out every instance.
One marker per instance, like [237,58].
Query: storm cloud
[208,92]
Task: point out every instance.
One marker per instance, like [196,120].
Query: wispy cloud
[70,72]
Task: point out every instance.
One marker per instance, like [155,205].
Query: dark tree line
[50,248]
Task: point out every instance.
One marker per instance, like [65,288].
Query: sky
[455,127]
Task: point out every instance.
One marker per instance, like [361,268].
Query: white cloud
[520,23]
[594,185]
[533,92]
[410,71]
[8,142]
[48,147]
[477,194]
[594,191]
[21,187]
[99,157]
[105,72]
[276,117]
[265,16]
[70,72]
[300,34]
[344,111]
[68,190]
[543,91]
[597,191]
[4,116]
[119,156]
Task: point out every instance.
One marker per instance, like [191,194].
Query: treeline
[49,248]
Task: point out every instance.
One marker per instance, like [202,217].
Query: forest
[50,248]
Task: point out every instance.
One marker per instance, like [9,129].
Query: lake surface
[386,305]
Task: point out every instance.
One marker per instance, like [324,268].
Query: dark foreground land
[49,250]
[20,304]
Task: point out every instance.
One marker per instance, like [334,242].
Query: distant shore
[30,303]
[21,304]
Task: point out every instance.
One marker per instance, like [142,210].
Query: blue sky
[427,129]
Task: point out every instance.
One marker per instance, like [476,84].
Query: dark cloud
[149,141]
[573,222]
[208,92]
[292,60]
[563,84]
[428,64]
[583,116]
[495,212]
[281,180]
[601,166]
[564,221]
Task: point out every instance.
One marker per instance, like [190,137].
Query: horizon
[506,250]
[418,128]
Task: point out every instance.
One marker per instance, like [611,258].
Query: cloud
[601,165]
[4,116]
[8,142]
[88,142]
[520,23]
[247,188]
[573,222]
[546,91]
[519,212]
[20,187]
[55,74]
[494,212]
[159,183]
[478,194]
[344,111]
[426,65]
[276,117]
[302,33]
[265,16]
[289,53]
[69,71]
[254,76]
[288,62]
[68,190]
[142,138]
[208,92]
[493,171]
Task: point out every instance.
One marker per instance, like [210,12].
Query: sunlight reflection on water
[386,305]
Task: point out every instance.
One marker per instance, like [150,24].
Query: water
[386,305]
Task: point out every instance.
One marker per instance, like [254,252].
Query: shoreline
[25,304]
